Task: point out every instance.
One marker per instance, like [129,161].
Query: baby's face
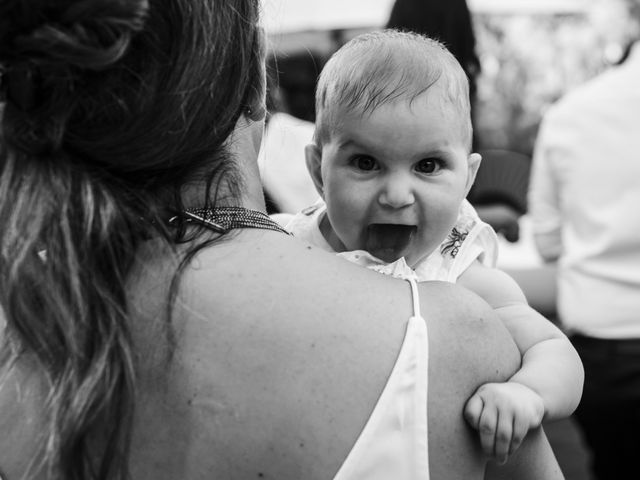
[393,180]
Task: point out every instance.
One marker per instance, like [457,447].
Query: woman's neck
[243,145]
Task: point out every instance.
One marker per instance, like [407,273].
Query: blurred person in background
[583,199]
[449,22]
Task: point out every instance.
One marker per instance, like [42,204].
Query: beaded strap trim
[223,219]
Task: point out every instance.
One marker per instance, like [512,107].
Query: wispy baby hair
[382,67]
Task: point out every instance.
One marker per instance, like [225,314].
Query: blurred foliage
[529,61]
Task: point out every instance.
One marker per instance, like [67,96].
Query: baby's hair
[382,67]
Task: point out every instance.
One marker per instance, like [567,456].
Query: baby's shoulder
[495,286]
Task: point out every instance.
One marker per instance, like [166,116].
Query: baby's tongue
[387,241]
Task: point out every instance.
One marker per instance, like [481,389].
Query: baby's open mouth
[388,241]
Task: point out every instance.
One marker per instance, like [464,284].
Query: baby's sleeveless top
[394,443]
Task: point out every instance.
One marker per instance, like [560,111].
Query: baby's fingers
[487,428]
[503,438]
[473,410]
[520,429]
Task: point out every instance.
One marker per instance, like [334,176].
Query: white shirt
[584,200]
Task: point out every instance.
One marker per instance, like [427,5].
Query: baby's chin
[411,259]
[388,255]
[412,255]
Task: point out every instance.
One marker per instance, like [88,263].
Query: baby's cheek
[439,226]
[344,220]
[447,209]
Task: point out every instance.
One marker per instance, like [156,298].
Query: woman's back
[286,404]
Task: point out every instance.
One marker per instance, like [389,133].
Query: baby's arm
[549,383]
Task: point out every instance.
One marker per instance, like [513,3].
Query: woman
[151,331]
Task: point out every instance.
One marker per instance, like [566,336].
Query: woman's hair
[383,67]
[108,109]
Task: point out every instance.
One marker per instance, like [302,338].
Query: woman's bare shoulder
[468,346]
[469,328]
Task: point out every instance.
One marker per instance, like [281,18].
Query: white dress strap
[415,297]
[394,442]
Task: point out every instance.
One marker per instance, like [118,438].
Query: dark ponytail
[65,253]
[66,243]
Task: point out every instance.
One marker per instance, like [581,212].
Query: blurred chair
[499,192]
[503,177]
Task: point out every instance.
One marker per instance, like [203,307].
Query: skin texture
[416,173]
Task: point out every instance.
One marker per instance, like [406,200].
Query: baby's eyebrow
[436,152]
[349,143]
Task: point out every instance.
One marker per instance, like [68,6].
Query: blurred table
[537,279]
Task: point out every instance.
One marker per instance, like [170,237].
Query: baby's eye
[364,162]
[428,165]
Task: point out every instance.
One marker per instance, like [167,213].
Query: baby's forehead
[435,100]
[438,99]
[398,128]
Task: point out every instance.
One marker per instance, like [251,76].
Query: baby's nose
[397,193]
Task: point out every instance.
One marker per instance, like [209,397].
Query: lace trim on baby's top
[397,269]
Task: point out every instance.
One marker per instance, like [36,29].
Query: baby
[391,161]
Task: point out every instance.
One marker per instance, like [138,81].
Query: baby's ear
[473,163]
[313,157]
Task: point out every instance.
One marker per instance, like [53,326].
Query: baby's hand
[503,413]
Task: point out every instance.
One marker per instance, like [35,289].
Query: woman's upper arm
[534,460]
[465,329]
[469,346]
